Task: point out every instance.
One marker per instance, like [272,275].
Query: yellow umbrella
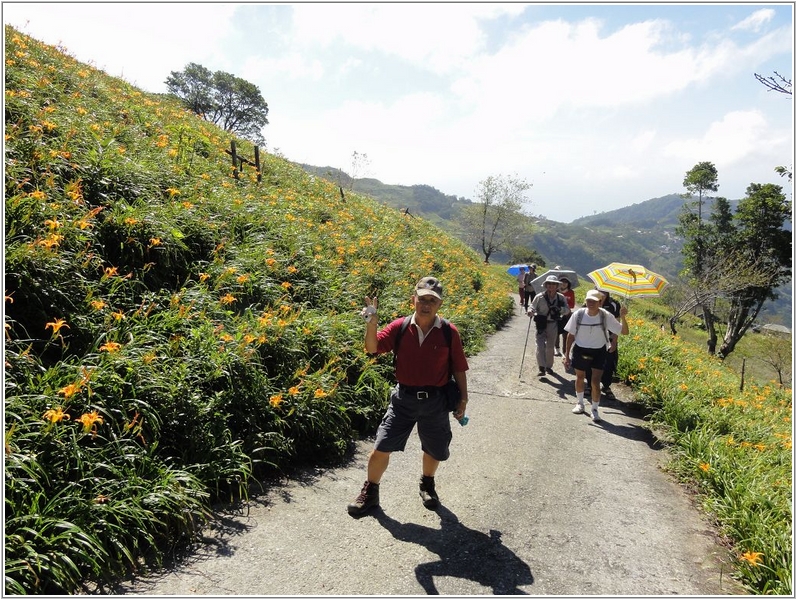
[628,280]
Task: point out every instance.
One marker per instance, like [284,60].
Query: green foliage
[232,103]
[735,259]
[171,332]
[495,220]
[732,447]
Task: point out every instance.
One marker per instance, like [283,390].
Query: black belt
[420,392]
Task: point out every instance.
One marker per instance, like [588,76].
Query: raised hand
[369,311]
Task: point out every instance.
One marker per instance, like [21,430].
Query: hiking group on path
[433,356]
[533,499]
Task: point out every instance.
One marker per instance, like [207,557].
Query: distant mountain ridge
[661,211]
[642,233]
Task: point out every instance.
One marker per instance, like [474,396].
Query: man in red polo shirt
[422,370]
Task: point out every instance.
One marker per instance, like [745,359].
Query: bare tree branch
[778,83]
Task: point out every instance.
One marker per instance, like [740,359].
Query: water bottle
[464,420]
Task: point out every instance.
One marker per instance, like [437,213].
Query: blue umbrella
[515,269]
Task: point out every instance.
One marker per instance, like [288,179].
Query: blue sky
[598,106]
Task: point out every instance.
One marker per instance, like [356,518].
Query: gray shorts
[403,412]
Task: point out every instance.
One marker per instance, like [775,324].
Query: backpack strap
[580,316]
[603,325]
[400,333]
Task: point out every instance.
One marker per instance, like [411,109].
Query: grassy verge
[732,447]
[172,332]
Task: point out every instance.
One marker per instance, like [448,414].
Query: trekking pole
[524,349]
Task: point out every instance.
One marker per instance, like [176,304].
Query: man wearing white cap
[546,310]
[588,338]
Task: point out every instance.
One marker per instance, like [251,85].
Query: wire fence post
[257,164]
[234,159]
[741,383]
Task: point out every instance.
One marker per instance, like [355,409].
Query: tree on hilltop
[743,258]
[230,102]
[698,181]
[759,232]
[495,219]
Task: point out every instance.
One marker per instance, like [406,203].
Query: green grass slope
[171,330]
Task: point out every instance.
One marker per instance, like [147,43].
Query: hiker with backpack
[521,283]
[589,333]
[427,352]
[613,306]
[570,296]
[528,288]
[546,310]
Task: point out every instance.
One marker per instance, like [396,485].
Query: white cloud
[289,66]
[349,65]
[438,37]
[755,21]
[557,64]
[642,141]
[140,42]
[728,141]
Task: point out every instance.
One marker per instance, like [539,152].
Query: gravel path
[536,500]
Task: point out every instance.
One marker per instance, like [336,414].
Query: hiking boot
[578,409]
[428,493]
[368,497]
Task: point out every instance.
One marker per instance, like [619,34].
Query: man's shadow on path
[464,553]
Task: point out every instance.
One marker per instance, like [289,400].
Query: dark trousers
[529,296]
[609,369]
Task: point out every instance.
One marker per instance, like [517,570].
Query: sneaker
[556,352]
[578,409]
[609,394]
[368,497]
[428,493]
[595,416]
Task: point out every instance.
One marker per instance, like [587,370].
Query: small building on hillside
[773,329]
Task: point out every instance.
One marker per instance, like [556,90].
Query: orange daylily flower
[55,415]
[70,390]
[754,558]
[56,325]
[90,421]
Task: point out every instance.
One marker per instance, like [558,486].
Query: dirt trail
[536,500]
